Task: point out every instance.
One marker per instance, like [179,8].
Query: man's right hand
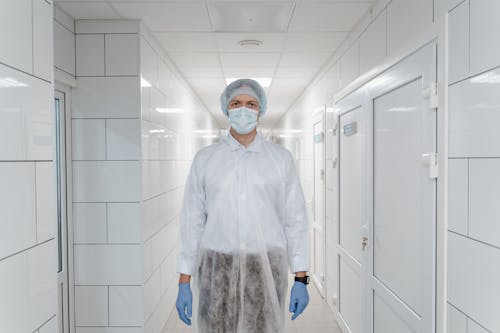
[184,303]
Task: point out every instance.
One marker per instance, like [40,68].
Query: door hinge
[431,159]
[431,94]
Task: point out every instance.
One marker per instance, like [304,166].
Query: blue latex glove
[299,298]
[184,303]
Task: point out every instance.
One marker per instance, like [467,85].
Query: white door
[62,230]
[318,234]
[387,200]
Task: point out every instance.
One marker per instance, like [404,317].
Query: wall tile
[43,34]
[149,63]
[91,305]
[122,54]
[458,192]
[46,201]
[350,64]
[17,207]
[107,26]
[105,181]
[126,306]
[458,64]
[64,48]
[473,116]
[123,139]
[457,321]
[26,117]
[373,44]
[473,285]
[484,35]
[106,97]
[89,55]
[124,223]
[151,293]
[484,200]
[108,264]
[89,223]
[88,139]
[16,51]
[28,289]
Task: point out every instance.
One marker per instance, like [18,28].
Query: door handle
[364,242]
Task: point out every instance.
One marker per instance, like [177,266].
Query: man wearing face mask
[243,225]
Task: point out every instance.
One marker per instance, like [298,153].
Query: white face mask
[243,120]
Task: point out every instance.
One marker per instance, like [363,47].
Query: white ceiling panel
[304,59]
[306,73]
[271,42]
[249,59]
[327,16]
[234,72]
[187,41]
[250,16]
[195,59]
[314,41]
[88,10]
[200,72]
[185,16]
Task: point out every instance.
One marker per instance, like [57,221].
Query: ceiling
[201,37]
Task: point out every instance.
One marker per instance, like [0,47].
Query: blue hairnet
[259,93]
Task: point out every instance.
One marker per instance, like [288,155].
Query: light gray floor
[316,318]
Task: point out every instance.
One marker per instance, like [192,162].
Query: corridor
[365,161]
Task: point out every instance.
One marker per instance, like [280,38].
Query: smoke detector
[250,43]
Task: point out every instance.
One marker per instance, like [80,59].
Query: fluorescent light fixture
[403,109]
[292,131]
[486,78]
[210,136]
[170,110]
[157,131]
[205,131]
[265,82]
[145,83]
[9,82]
[287,136]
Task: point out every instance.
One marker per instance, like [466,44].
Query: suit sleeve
[192,221]
[296,222]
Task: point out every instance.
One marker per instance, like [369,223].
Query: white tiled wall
[28,295]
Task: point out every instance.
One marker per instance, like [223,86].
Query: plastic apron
[242,258]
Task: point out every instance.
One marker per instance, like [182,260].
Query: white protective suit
[243,224]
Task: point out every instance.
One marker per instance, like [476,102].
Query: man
[243,224]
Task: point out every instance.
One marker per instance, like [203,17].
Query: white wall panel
[458,191]
[88,139]
[109,330]
[484,200]
[386,320]
[16,39]
[46,219]
[28,289]
[457,321]
[43,34]
[350,64]
[17,207]
[406,18]
[26,116]
[473,285]
[64,19]
[51,326]
[373,44]
[89,223]
[126,306]
[149,63]
[64,48]
[122,54]
[90,55]
[474,116]
[108,264]
[106,97]
[473,327]
[103,181]
[484,35]
[124,223]
[123,139]
[91,306]
[459,42]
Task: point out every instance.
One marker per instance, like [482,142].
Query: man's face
[244,100]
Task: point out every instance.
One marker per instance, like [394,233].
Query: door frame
[65,90]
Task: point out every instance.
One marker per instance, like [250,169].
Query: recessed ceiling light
[263,81]
[170,110]
[250,43]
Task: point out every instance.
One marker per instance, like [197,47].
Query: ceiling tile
[88,10]
[304,59]
[199,72]
[250,16]
[185,16]
[195,59]
[271,42]
[187,41]
[296,72]
[249,59]
[249,72]
[314,41]
[327,16]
